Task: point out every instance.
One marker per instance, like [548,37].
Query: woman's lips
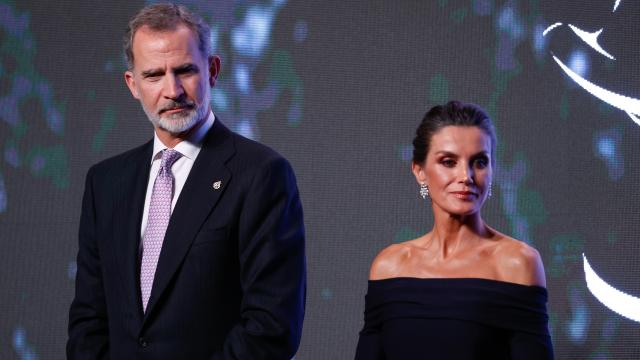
[464,194]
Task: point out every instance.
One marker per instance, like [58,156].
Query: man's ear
[131,84]
[214,69]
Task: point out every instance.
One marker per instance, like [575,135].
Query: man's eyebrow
[151,72]
[186,67]
[178,69]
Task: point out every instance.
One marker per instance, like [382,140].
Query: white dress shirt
[189,148]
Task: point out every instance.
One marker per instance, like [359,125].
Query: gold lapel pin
[217,185]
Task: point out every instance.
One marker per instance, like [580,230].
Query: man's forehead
[150,45]
[147,37]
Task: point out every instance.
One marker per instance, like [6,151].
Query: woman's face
[457,169]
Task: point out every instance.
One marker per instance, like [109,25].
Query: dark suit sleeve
[272,268]
[88,330]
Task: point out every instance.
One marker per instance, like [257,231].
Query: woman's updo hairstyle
[453,113]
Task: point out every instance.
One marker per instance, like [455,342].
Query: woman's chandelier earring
[424,191]
[489,192]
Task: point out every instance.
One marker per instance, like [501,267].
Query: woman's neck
[453,233]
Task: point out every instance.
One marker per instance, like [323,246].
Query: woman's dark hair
[453,113]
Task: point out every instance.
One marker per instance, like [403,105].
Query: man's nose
[173,87]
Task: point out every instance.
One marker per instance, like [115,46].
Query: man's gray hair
[166,17]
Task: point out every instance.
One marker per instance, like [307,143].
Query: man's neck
[171,140]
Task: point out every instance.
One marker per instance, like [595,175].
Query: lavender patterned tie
[158,220]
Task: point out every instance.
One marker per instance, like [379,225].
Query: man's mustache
[178,105]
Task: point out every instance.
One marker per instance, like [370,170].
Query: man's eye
[187,71]
[186,74]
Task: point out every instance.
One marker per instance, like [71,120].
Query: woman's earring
[424,191]
[489,192]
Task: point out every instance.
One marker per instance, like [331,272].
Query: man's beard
[182,121]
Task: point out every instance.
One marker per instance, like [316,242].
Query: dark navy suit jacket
[230,281]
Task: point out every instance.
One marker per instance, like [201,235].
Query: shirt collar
[189,147]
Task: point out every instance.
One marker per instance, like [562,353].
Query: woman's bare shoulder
[519,262]
[389,261]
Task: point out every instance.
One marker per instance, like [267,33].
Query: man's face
[171,78]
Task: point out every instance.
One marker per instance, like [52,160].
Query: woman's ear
[419,173]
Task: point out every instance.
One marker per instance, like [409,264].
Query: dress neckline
[454,280]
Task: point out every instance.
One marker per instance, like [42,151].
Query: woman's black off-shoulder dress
[412,318]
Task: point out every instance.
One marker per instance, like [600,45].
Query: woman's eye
[481,163]
[448,163]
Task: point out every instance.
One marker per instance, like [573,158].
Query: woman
[463,290]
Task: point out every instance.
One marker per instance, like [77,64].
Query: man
[192,245]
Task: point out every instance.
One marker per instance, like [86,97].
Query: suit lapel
[128,210]
[198,197]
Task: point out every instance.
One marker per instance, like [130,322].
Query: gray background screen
[338,87]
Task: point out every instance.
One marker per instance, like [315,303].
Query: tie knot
[169,156]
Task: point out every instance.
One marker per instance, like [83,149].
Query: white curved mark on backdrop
[550,27]
[591,39]
[625,103]
[616,300]
[615,6]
